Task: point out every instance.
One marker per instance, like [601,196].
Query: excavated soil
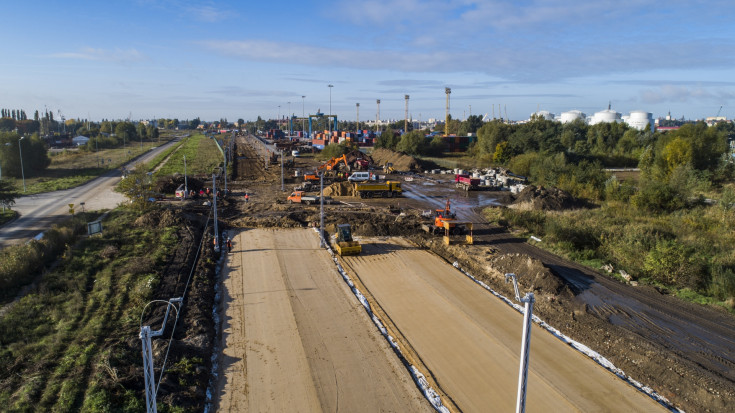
[401,162]
[546,199]
[689,381]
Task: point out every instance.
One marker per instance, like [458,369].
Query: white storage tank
[639,119]
[543,114]
[605,116]
[571,116]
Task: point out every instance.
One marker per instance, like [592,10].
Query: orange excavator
[445,219]
[334,163]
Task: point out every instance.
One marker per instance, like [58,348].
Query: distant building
[80,140]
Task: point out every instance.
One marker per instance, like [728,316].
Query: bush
[673,263]
[657,197]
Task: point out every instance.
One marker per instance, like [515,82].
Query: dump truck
[344,244]
[387,189]
[464,181]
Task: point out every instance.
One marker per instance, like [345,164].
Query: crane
[718,112]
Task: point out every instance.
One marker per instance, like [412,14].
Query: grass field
[61,346]
[73,167]
[451,160]
[202,156]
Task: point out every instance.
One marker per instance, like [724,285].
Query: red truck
[464,181]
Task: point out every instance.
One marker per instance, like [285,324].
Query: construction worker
[229,245]
[247,198]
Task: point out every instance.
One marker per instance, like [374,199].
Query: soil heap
[546,199]
[340,189]
[400,161]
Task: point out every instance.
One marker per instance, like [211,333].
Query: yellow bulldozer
[344,244]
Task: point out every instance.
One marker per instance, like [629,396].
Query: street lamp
[330,106]
[303,112]
[22,172]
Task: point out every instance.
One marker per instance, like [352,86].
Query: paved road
[470,340]
[39,212]
[295,339]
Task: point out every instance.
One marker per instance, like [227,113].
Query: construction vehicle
[387,189]
[464,181]
[388,168]
[344,244]
[334,164]
[445,221]
[300,197]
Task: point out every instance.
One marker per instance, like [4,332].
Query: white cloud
[684,94]
[89,53]
[209,14]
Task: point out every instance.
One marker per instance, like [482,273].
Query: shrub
[673,263]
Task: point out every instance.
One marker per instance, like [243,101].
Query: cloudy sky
[236,59]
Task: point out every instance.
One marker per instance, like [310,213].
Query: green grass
[202,156]
[63,344]
[71,168]
[6,215]
[462,160]
[689,252]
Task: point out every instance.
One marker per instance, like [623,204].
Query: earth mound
[344,188]
[169,184]
[400,161]
[546,199]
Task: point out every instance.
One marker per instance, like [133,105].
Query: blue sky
[231,59]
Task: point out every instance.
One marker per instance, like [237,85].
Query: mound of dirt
[161,218]
[400,161]
[546,199]
[531,272]
[340,189]
[169,184]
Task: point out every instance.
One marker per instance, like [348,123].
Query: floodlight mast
[145,336]
[528,300]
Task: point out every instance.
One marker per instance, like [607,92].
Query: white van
[360,176]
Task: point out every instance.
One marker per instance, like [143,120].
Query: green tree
[8,194]
[502,153]
[413,143]
[126,131]
[388,139]
[137,186]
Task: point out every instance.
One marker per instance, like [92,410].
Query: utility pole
[303,112]
[448,91]
[322,242]
[405,122]
[214,205]
[358,118]
[528,300]
[186,184]
[282,188]
[330,109]
[377,117]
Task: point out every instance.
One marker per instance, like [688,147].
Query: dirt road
[295,339]
[470,340]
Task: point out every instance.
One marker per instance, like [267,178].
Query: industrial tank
[571,116]
[605,116]
[639,119]
[543,114]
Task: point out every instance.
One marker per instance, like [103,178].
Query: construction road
[295,339]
